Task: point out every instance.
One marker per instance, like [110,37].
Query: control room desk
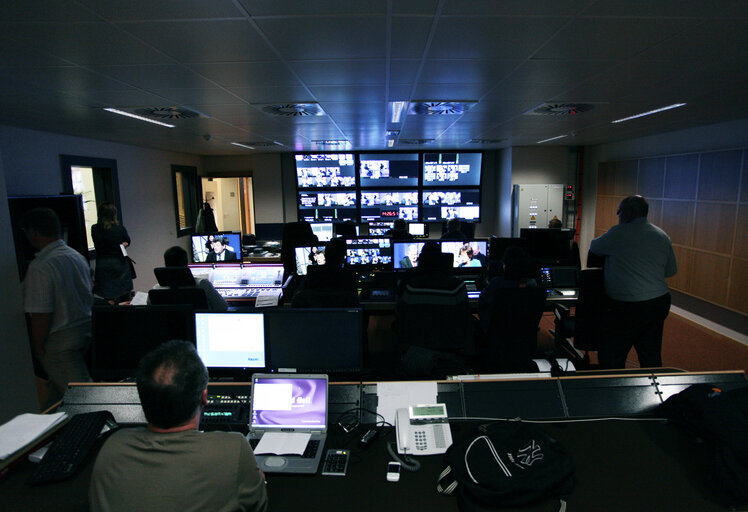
[621,465]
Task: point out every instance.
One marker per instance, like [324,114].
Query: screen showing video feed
[325,171]
[230,340]
[323,230]
[369,252]
[469,254]
[388,170]
[379,228]
[389,205]
[439,205]
[442,169]
[327,206]
[217,248]
[405,254]
[309,256]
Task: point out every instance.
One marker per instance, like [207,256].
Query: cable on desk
[406,462]
[562,420]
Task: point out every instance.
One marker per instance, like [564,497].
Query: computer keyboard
[244,293]
[70,447]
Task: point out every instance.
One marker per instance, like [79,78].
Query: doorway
[232,202]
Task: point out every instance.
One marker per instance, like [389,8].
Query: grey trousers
[64,360]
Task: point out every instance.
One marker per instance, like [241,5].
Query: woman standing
[112,280]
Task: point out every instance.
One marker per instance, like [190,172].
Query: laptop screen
[289,402]
[230,340]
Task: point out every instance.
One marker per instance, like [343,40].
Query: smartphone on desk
[423,430]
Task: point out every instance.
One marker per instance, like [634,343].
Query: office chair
[512,338]
[179,287]
[587,325]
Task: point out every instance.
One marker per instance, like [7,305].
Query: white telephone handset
[423,430]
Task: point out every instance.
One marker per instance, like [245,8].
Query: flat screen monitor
[551,246]
[325,171]
[451,169]
[369,252]
[468,254]
[289,401]
[122,335]
[418,229]
[379,228]
[230,343]
[498,246]
[445,204]
[389,205]
[314,340]
[323,230]
[309,256]
[405,254]
[327,206]
[217,247]
[388,170]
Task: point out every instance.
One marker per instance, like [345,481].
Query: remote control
[336,462]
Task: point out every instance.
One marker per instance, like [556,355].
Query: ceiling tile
[340,72]
[246,74]
[260,8]
[173,10]
[337,93]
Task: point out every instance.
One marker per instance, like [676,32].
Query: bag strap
[446,484]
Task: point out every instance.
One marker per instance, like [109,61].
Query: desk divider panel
[609,396]
[121,400]
[537,399]
[669,385]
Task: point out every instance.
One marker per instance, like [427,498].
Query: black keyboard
[70,447]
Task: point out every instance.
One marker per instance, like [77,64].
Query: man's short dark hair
[335,251]
[634,207]
[171,380]
[453,224]
[400,225]
[42,220]
[175,257]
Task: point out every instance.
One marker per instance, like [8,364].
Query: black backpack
[506,464]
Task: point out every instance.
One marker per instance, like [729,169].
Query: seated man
[170,465]
[331,284]
[177,257]
[221,251]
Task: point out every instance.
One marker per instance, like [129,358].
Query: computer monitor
[369,252]
[470,254]
[328,206]
[231,344]
[550,246]
[315,340]
[498,245]
[379,228]
[309,255]
[418,229]
[388,170]
[325,171]
[451,169]
[405,254]
[223,246]
[389,205]
[122,335]
[323,230]
[444,204]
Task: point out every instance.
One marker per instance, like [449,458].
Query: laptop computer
[289,404]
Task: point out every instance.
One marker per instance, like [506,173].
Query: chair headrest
[174,276]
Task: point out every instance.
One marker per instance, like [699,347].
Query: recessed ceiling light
[552,138]
[242,145]
[674,105]
[140,118]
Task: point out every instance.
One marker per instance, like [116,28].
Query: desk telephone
[423,430]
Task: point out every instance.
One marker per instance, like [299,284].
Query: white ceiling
[61,61]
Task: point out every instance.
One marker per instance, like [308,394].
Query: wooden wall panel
[681,174]
[738,298]
[714,227]
[625,180]
[651,180]
[741,234]
[709,275]
[605,213]
[677,221]
[606,175]
[744,186]
[655,212]
[684,259]
[719,176]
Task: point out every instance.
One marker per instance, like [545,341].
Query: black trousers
[638,325]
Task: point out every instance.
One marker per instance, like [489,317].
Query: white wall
[32,167]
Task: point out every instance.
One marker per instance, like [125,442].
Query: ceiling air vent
[167,112]
[292,109]
[559,109]
[415,141]
[427,108]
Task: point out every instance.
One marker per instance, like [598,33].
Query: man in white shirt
[57,295]
[638,257]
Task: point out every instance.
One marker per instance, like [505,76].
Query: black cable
[406,462]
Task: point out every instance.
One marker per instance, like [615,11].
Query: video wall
[382,187]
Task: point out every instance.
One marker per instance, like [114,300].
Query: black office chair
[587,325]
[512,338]
[179,287]
[434,326]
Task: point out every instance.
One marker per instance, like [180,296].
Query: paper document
[396,395]
[140,299]
[282,443]
[124,251]
[266,299]
[24,429]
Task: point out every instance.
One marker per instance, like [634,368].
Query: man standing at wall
[638,258]
[57,295]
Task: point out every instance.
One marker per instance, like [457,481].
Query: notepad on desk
[23,433]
